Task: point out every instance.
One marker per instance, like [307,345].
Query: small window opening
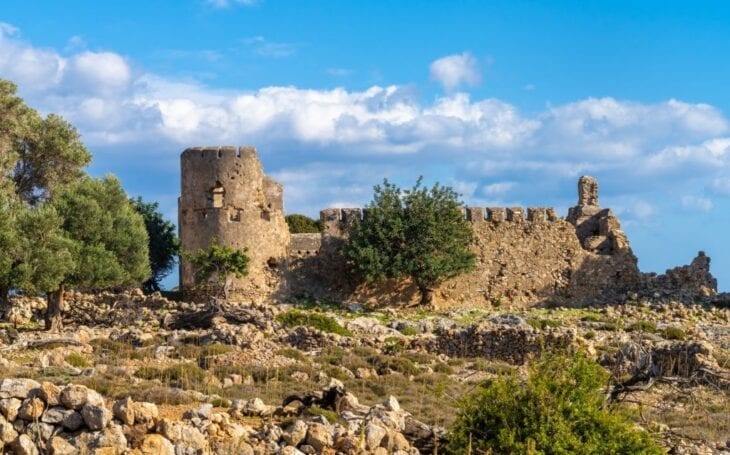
[217,195]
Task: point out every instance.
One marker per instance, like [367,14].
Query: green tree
[420,233]
[302,224]
[559,409]
[109,241]
[218,264]
[164,244]
[39,156]
[10,248]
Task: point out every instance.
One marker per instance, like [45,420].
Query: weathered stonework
[226,196]
[524,257]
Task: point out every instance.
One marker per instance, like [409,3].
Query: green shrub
[591,317]
[331,416]
[77,360]
[559,409]
[324,323]
[610,326]
[642,326]
[408,331]
[385,363]
[542,324]
[674,333]
[302,224]
[181,374]
[589,335]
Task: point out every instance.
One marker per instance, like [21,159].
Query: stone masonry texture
[524,257]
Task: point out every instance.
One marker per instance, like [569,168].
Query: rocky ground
[314,377]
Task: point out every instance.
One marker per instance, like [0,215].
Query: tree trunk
[426,296]
[54,320]
[4,301]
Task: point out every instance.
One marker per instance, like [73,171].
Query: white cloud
[696,203]
[266,48]
[498,188]
[97,72]
[486,147]
[454,70]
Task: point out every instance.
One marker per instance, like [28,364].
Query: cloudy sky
[507,101]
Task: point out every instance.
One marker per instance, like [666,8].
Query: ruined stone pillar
[588,191]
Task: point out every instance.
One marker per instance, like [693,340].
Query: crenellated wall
[523,256]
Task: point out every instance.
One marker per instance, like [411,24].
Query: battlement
[511,214]
[218,152]
[337,220]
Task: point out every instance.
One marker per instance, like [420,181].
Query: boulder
[295,433]
[319,437]
[76,396]
[23,445]
[95,417]
[31,409]
[374,435]
[154,444]
[17,388]
[123,411]
[60,446]
[49,393]
[10,407]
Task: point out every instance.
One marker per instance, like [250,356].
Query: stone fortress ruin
[524,257]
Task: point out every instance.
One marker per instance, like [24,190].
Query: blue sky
[508,101]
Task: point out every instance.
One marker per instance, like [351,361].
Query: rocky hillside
[144,374]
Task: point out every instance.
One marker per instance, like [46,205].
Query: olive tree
[218,264]
[419,233]
[108,241]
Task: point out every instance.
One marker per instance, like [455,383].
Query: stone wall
[226,196]
[524,256]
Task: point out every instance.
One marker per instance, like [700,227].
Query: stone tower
[226,196]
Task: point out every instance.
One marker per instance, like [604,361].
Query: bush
[674,333]
[324,323]
[542,324]
[642,326]
[559,409]
[302,224]
[77,360]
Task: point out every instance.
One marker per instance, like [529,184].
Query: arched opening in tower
[217,195]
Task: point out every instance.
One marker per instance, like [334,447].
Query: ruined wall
[225,195]
[523,256]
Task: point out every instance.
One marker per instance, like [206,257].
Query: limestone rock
[10,407]
[295,433]
[374,435]
[124,411]
[182,434]
[7,432]
[56,415]
[319,437]
[95,417]
[31,409]
[60,446]
[17,388]
[76,396]
[23,445]
[154,444]
[49,393]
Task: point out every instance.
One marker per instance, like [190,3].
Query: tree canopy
[38,155]
[219,264]
[164,244]
[302,224]
[420,233]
